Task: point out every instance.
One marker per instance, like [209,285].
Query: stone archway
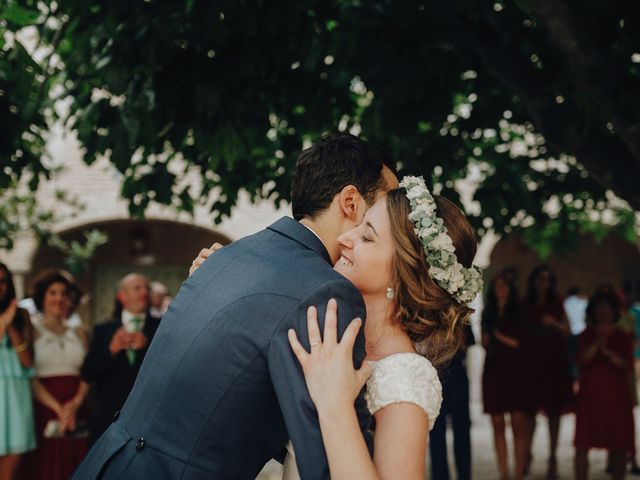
[161,249]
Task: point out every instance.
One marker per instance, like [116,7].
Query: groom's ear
[350,202]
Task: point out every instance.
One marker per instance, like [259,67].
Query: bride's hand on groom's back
[331,378]
[203,255]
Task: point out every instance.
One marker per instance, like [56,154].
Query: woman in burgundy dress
[604,411]
[547,356]
[504,387]
[58,389]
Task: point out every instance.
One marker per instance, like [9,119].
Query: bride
[411,260]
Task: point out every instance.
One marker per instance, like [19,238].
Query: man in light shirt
[575,305]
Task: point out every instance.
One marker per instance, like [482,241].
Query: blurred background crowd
[61,385]
[548,354]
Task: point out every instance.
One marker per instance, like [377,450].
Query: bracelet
[21,348]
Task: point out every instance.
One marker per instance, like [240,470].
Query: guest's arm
[22,340]
[619,357]
[507,340]
[561,325]
[42,395]
[70,409]
[587,351]
[105,346]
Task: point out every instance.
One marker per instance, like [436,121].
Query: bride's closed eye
[365,239]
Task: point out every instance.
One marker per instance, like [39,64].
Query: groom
[220,392]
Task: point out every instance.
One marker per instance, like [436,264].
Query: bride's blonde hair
[433,319]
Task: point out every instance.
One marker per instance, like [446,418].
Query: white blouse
[57,354]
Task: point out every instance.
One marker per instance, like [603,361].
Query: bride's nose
[346,239]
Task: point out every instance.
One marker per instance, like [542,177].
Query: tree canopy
[533,102]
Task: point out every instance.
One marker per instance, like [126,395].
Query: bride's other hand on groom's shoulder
[332,380]
[203,255]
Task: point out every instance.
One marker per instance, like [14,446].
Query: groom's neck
[327,232]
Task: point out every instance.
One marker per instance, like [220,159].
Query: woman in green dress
[17,434]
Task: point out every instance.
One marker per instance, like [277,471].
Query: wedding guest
[575,306]
[626,323]
[547,357]
[604,413]
[504,381]
[59,351]
[455,405]
[17,435]
[116,353]
[73,300]
[159,294]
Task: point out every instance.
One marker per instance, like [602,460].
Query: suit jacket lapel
[296,231]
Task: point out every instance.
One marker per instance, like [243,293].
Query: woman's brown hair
[44,280]
[433,319]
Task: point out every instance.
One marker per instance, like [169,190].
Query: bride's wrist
[335,411]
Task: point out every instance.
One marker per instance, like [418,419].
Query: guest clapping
[59,351]
[604,414]
[117,350]
[17,435]
[505,387]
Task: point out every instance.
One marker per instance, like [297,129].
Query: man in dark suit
[455,404]
[220,391]
[116,353]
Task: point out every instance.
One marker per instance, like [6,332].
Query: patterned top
[405,377]
[57,354]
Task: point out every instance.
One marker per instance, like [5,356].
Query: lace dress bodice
[398,378]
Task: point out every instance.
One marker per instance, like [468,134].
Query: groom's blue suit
[220,391]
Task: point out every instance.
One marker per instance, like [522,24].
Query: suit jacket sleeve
[297,408]
[98,360]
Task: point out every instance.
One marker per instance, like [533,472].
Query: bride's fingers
[364,372]
[215,247]
[331,322]
[350,334]
[298,350]
[315,339]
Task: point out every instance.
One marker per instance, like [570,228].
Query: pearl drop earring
[389,293]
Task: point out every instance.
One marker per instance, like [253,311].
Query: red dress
[504,386]
[604,410]
[547,358]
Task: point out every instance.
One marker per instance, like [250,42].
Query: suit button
[116,415]
[140,444]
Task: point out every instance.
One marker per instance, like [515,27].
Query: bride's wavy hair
[433,319]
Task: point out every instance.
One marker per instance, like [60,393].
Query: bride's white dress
[401,377]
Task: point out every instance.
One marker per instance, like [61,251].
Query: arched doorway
[162,250]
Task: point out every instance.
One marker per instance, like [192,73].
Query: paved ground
[482,440]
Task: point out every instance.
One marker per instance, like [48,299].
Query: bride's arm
[400,443]
[333,383]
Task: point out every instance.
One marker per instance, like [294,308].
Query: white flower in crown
[462,283]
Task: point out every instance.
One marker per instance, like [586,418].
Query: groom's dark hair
[330,164]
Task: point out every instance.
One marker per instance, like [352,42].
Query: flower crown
[462,283]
